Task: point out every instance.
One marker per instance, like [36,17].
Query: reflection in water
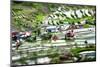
[80,38]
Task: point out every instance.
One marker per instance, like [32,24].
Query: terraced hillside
[27,16]
[49,33]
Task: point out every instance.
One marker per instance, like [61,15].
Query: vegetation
[76,51]
[30,16]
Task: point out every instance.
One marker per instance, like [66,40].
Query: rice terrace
[52,33]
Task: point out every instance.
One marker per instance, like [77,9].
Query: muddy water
[25,50]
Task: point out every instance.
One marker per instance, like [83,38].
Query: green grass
[77,50]
[86,26]
[30,15]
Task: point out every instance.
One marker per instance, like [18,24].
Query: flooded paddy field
[35,54]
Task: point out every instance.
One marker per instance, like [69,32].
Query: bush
[76,51]
[31,39]
[86,26]
[55,60]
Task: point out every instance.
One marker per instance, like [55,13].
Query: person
[16,38]
[18,41]
[72,33]
[55,37]
[27,34]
